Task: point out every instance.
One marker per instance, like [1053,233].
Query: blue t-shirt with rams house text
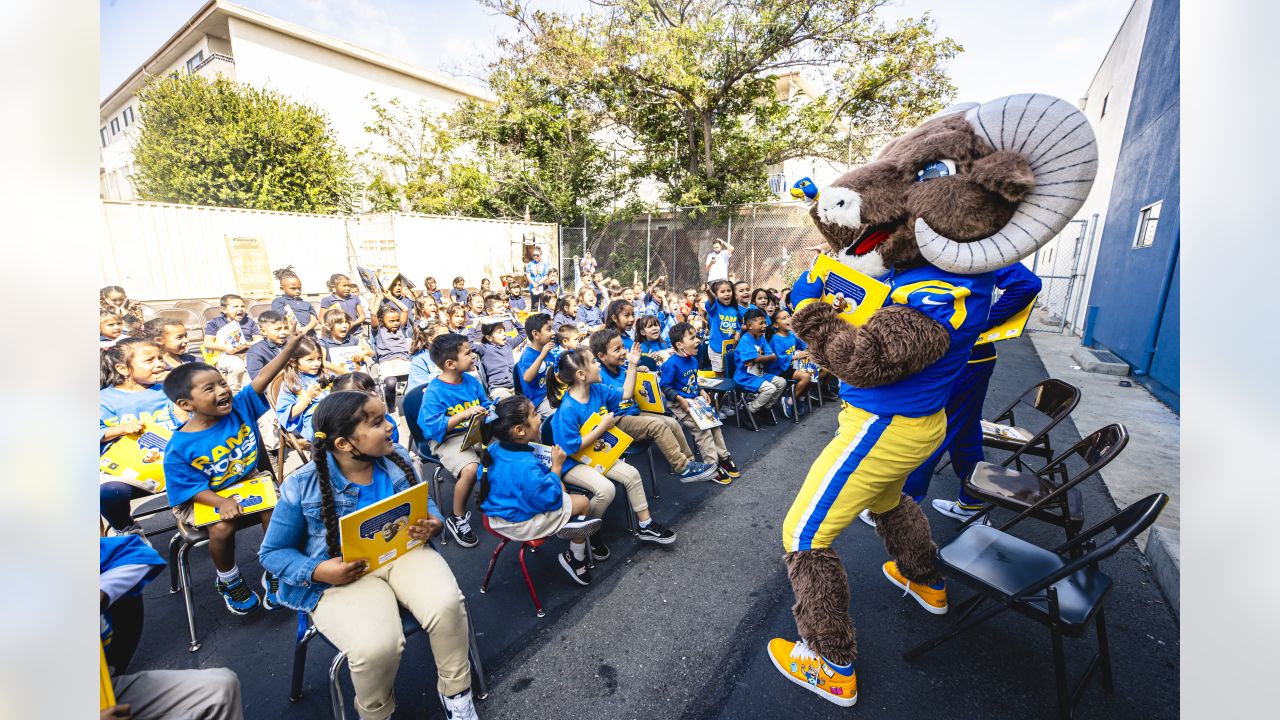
[442,400]
[959,303]
[566,424]
[723,323]
[219,456]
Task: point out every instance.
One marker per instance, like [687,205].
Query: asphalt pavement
[680,631]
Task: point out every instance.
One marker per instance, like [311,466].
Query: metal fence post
[648,231]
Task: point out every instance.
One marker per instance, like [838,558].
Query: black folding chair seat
[1009,488]
[985,555]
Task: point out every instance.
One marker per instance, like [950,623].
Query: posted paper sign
[647,395]
[603,453]
[379,533]
[863,294]
[137,459]
[1008,329]
[255,494]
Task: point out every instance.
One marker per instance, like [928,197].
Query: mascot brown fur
[972,190]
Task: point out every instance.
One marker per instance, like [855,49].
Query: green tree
[213,142]
[693,83]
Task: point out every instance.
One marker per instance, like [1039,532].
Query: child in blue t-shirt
[215,449]
[450,404]
[110,329]
[722,322]
[577,393]
[343,352]
[525,499]
[618,367]
[130,402]
[421,369]
[290,303]
[653,344]
[679,383]
[588,314]
[357,609]
[170,336]
[345,295]
[621,317]
[303,384]
[362,382]
[755,355]
[534,359]
[790,351]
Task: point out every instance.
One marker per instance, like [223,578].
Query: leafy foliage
[213,142]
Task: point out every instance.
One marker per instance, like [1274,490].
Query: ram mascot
[974,189]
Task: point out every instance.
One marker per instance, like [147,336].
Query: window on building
[1148,218]
[128,116]
[194,61]
[103,134]
[115,126]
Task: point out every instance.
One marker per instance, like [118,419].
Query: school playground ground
[681,631]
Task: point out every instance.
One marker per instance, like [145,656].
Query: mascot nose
[840,206]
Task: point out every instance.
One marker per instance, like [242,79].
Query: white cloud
[1077,9]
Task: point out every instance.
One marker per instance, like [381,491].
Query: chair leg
[184,575]
[956,630]
[1104,651]
[337,706]
[795,405]
[529,581]
[300,663]
[653,476]
[435,490]
[173,563]
[493,560]
[477,668]
[1059,658]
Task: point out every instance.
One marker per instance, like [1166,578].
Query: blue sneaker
[696,471]
[236,594]
[270,591]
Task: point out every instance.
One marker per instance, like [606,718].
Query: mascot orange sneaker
[933,599]
[804,667]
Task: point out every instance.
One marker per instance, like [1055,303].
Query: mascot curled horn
[972,190]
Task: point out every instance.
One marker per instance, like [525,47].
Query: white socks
[229,576]
[579,550]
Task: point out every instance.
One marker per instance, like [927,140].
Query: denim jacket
[294,543]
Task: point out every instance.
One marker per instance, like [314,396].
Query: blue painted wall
[1127,282]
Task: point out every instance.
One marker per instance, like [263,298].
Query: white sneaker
[865,515]
[953,509]
[459,707]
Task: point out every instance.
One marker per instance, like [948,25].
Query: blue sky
[1010,45]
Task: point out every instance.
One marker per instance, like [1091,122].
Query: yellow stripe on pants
[865,466]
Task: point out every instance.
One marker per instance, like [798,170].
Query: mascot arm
[895,342]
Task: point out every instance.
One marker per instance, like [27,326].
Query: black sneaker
[730,467]
[577,569]
[656,533]
[460,527]
[579,526]
[599,550]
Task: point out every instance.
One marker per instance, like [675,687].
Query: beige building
[224,39]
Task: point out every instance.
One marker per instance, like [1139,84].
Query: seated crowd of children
[532,367]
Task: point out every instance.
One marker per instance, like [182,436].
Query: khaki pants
[602,489]
[767,393]
[497,394]
[710,442]
[363,620]
[545,409]
[452,456]
[664,431]
[232,368]
[212,694]
[717,360]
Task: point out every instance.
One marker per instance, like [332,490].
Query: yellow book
[647,395]
[106,693]
[472,437]
[255,494]
[378,533]
[137,459]
[1008,329]
[863,294]
[602,454]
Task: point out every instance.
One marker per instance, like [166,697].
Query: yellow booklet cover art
[603,453]
[379,533]
[138,459]
[106,693]
[863,294]
[647,395]
[1008,329]
[254,494]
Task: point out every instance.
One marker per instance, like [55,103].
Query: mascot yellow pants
[865,466]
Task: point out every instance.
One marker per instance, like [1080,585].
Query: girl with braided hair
[355,464]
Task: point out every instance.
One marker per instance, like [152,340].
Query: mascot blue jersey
[960,303]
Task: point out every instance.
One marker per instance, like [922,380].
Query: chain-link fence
[769,242]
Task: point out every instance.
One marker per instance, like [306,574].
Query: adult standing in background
[536,270]
[718,260]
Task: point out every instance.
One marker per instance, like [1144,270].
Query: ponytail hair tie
[492,415]
[320,436]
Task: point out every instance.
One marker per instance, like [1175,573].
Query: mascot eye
[935,169]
